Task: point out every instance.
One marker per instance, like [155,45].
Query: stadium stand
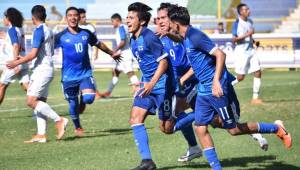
[291,24]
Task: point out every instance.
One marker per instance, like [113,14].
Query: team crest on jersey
[140,48]
[84,37]
[68,40]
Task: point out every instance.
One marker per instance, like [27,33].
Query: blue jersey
[199,49]
[148,51]
[76,64]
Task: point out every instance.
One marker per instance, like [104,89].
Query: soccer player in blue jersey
[14,46]
[215,92]
[155,93]
[41,77]
[77,77]
[186,95]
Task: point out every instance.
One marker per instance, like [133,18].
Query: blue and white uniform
[148,51]
[76,67]
[199,49]
[246,61]
[43,68]
[14,35]
[126,65]
[181,65]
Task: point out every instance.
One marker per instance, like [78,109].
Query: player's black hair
[142,11]
[14,16]
[39,12]
[239,7]
[179,14]
[220,23]
[81,11]
[166,5]
[116,16]
[72,8]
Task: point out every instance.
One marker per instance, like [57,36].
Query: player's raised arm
[115,55]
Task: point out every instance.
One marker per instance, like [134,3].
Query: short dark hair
[39,12]
[72,8]
[116,16]
[14,16]
[142,11]
[164,5]
[81,11]
[179,14]
[239,7]
[220,23]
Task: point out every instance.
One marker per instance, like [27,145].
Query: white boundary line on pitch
[59,105]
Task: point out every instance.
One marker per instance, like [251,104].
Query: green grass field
[108,142]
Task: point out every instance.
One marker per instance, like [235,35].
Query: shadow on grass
[101,133]
[281,100]
[248,163]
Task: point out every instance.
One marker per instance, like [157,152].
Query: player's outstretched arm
[120,45]
[220,64]
[116,56]
[161,69]
[30,56]
[186,76]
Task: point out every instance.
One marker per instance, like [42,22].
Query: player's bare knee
[240,77]
[233,132]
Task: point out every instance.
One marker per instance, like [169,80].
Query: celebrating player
[77,77]
[43,69]
[126,65]
[215,92]
[246,61]
[14,46]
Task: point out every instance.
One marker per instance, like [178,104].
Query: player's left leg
[256,88]
[7,77]
[3,88]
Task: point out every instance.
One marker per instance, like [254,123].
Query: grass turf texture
[108,142]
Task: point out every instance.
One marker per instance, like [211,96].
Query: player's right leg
[241,65]
[112,84]
[143,106]
[2,91]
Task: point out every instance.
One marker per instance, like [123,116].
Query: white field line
[65,104]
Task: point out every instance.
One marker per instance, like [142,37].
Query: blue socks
[141,140]
[267,128]
[184,120]
[74,111]
[212,158]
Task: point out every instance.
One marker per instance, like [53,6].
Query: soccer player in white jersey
[14,46]
[246,61]
[126,65]
[43,69]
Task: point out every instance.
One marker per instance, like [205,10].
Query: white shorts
[9,75]
[246,61]
[126,65]
[39,85]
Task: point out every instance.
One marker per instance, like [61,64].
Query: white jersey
[241,27]
[122,34]
[43,39]
[14,35]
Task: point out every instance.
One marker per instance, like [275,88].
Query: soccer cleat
[283,134]
[192,153]
[146,164]
[79,132]
[105,94]
[263,143]
[61,127]
[256,101]
[97,95]
[37,138]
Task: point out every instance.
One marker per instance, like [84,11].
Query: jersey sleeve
[234,29]
[57,42]
[93,40]
[122,33]
[203,42]
[38,38]
[13,35]
[156,47]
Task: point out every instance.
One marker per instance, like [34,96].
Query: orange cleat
[79,132]
[37,138]
[98,95]
[61,127]
[256,101]
[283,134]
[105,94]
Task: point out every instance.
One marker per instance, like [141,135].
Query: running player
[14,46]
[77,77]
[215,92]
[246,62]
[43,72]
[126,66]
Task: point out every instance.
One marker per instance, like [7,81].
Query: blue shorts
[227,107]
[163,102]
[189,91]
[72,88]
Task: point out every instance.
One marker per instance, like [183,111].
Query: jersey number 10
[78,47]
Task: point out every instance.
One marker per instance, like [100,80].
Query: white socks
[134,80]
[41,121]
[257,136]
[44,109]
[256,87]
[234,82]
[112,84]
